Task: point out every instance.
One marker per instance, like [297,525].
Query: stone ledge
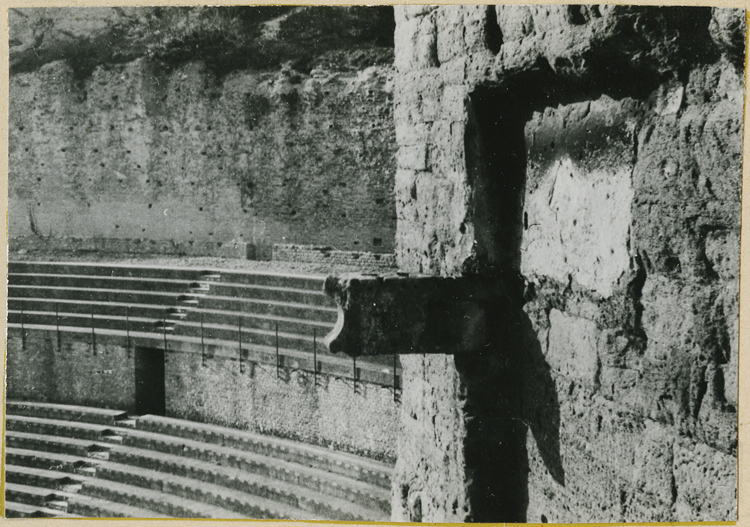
[33,244]
[327,254]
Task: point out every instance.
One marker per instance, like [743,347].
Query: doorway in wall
[149,381]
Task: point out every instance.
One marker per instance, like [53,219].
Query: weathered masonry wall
[37,371]
[332,414]
[210,126]
[593,152]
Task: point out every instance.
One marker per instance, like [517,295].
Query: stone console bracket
[401,314]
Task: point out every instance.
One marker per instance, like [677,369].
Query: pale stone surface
[158,143]
[695,464]
[572,349]
[579,226]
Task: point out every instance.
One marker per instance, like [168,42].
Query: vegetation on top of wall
[225,38]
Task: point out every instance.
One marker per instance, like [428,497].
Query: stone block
[449,33]
[454,71]
[579,194]
[705,483]
[515,21]
[723,253]
[652,473]
[415,42]
[454,103]
[572,349]
[668,318]
[413,157]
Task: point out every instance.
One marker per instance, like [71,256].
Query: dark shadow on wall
[540,407]
[511,391]
[495,446]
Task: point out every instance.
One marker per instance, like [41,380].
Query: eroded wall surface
[102,371]
[590,155]
[221,125]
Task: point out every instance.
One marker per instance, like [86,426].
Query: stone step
[83,414]
[237,500]
[352,506]
[70,315]
[36,496]
[41,478]
[315,479]
[254,336]
[90,507]
[286,302]
[157,430]
[313,282]
[299,281]
[263,292]
[60,287]
[349,465]
[44,282]
[84,320]
[22,510]
[103,282]
[272,307]
[372,502]
[51,461]
[297,326]
[105,269]
[152,500]
[57,444]
[58,427]
[54,294]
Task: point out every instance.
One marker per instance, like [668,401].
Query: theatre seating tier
[64,461]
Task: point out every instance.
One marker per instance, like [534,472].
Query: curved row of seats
[261,312]
[64,461]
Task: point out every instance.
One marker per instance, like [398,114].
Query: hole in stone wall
[544,519]
[576,15]
[493,36]
[496,158]
[377,242]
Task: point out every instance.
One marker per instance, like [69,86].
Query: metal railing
[283,362]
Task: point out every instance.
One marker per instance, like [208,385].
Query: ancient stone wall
[103,374]
[590,156]
[286,403]
[73,374]
[208,125]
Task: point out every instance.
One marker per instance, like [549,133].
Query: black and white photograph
[392,263]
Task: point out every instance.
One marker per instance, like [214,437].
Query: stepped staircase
[67,461]
[268,317]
